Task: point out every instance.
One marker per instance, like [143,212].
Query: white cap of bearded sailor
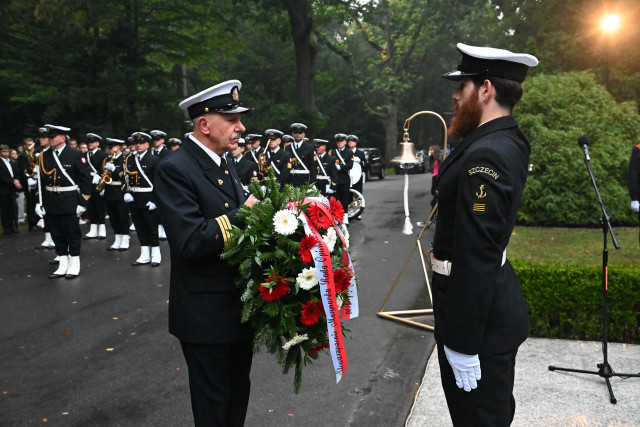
[222,98]
[489,61]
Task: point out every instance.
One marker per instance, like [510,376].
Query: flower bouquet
[296,275]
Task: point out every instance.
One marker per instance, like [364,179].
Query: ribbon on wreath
[324,269]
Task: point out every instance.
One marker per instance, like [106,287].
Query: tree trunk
[390,123]
[301,19]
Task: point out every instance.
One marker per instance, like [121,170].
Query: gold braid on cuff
[225,226]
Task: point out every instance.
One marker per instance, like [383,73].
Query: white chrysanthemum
[308,278]
[339,301]
[330,239]
[285,222]
[345,234]
[294,341]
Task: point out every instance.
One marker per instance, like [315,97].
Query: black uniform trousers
[9,211]
[65,233]
[219,381]
[492,403]
[31,196]
[146,223]
[96,210]
[118,216]
[343,195]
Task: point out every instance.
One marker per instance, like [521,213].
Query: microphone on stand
[583,142]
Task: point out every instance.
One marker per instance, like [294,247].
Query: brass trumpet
[32,162]
[263,169]
[105,178]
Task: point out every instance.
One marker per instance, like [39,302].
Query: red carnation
[318,218]
[306,244]
[337,210]
[274,291]
[319,348]
[342,278]
[311,312]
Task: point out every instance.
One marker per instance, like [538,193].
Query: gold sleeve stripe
[225,226]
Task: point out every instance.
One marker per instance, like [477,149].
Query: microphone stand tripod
[604,369]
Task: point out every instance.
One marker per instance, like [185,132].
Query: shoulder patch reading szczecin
[483,169]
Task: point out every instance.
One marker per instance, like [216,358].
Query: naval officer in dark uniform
[253,149]
[114,195]
[66,190]
[244,167]
[139,170]
[480,313]
[325,165]
[96,211]
[199,195]
[344,163]
[302,157]
[277,158]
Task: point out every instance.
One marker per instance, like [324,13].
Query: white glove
[40,223]
[80,210]
[151,205]
[40,210]
[102,193]
[95,179]
[36,169]
[338,167]
[329,190]
[109,166]
[128,198]
[466,368]
[635,206]
[32,182]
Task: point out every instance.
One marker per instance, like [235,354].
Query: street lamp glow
[610,23]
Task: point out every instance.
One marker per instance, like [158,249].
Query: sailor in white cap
[113,195]
[277,158]
[66,190]
[199,195]
[479,309]
[302,156]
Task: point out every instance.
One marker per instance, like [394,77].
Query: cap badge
[234,94]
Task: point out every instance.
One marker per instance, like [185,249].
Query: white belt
[322,177]
[444,267]
[56,189]
[299,172]
[115,183]
[141,189]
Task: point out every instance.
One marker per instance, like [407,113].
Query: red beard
[467,116]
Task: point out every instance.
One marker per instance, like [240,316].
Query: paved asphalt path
[95,351]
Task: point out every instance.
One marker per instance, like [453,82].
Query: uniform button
[226,205]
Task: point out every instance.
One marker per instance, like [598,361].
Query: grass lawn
[573,245]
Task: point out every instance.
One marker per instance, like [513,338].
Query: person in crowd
[633,180]
[43,140]
[245,168]
[479,309]
[253,151]
[10,185]
[357,182]
[173,144]
[159,149]
[26,167]
[199,195]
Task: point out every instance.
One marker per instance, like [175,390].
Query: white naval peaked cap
[489,61]
[221,98]
[57,130]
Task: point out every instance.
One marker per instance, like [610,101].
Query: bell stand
[396,315]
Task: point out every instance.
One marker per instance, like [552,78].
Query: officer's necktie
[223,164]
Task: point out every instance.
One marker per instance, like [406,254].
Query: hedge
[565,301]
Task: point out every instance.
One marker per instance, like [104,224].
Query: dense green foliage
[565,301]
[555,111]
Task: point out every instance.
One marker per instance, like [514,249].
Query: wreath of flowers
[281,286]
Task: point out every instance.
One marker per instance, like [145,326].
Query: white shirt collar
[214,156]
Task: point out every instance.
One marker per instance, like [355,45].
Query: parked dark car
[375,163]
[420,167]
